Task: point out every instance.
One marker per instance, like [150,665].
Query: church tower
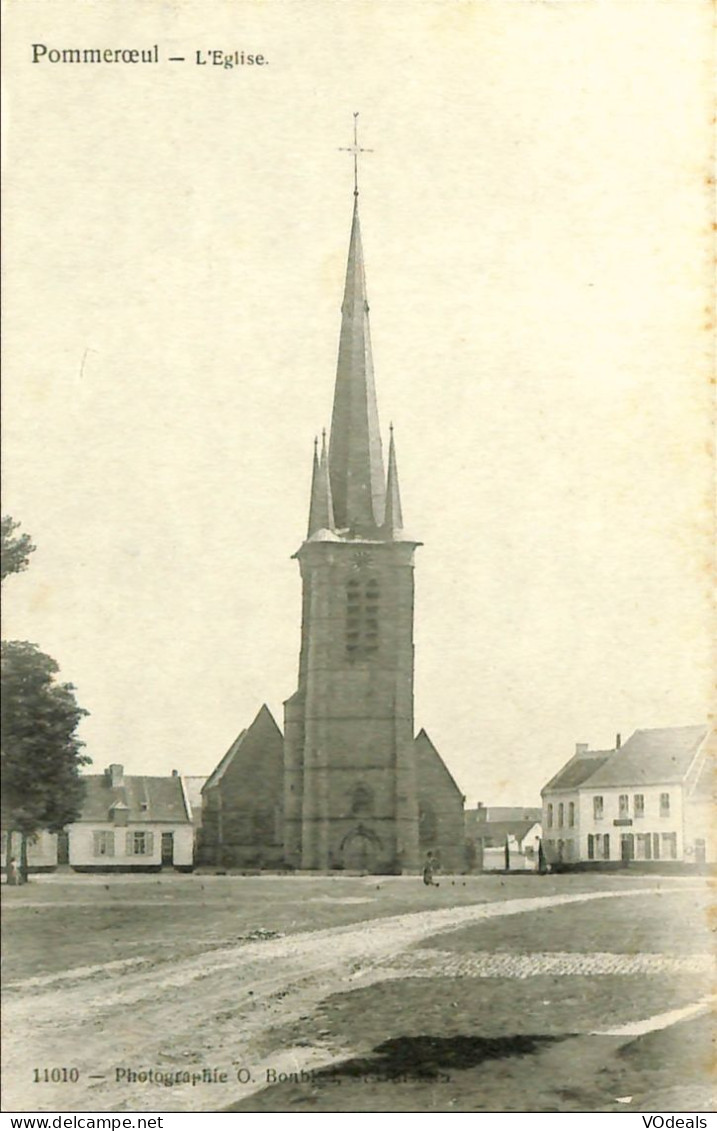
[350,796]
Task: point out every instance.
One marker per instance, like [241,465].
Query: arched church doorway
[360,851]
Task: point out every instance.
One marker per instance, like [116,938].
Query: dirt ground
[191,993]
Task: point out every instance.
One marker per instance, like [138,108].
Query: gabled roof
[499,830]
[422,740]
[193,785]
[264,724]
[577,771]
[705,786]
[651,757]
[485,813]
[218,772]
[145,799]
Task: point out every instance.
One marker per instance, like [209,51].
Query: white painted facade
[107,845]
[646,801]
[523,853]
[41,852]
[615,812]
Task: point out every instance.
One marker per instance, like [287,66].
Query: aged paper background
[537,215]
[536,218]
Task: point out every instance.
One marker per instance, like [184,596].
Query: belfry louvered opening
[362,618]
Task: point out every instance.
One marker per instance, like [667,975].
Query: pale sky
[535,220]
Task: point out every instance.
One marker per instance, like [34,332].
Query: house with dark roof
[193,785]
[503,837]
[132,823]
[644,800]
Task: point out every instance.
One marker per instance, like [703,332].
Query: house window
[591,846]
[140,843]
[623,805]
[664,804]
[638,802]
[669,846]
[550,816]
[597,807]
[656,846]
[103,843]
[362,609]
[561,815]
[571,814]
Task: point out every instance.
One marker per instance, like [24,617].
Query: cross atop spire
[355,149]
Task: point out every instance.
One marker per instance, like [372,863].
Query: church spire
[394,517]
[321,512]
[356,458]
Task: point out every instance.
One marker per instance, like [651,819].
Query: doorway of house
[627,848]
[63,848]
[167,849]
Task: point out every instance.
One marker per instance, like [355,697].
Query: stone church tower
[350,791]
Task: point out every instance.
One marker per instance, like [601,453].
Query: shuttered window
[140,843]
[103,842]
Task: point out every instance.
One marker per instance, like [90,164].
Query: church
[347,786]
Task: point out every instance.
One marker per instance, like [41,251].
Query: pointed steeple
[394,517]
[355,454]
[321,513]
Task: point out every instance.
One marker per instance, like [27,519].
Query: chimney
[175,773]
[618,741]
[581,748]
[115,773]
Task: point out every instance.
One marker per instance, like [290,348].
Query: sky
[536,215]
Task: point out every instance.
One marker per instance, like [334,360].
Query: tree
[41,753]
[14,550]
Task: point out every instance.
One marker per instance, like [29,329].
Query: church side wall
[441,820]
[243,810]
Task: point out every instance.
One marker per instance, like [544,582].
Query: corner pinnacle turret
[321,513]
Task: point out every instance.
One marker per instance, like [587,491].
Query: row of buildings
[648,801]
[349,785]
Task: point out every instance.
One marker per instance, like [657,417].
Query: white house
[643,801]
[495,829]
[132,823]
[41,851]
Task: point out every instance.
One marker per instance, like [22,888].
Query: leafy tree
[15,550]
[41,754]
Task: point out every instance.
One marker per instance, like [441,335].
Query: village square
[319,923]
[356,745]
